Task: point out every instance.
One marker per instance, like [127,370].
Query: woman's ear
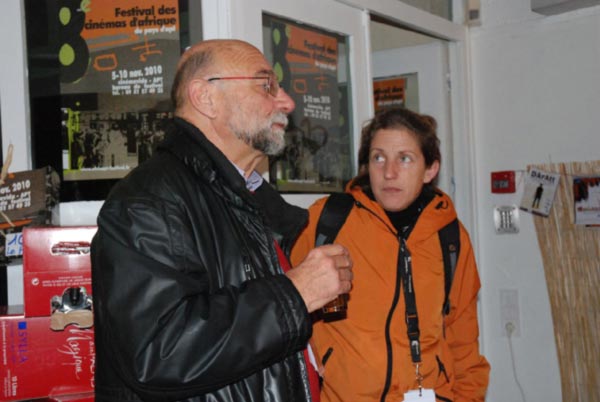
[431,172]
[201,97]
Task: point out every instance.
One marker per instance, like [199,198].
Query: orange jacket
[358,366]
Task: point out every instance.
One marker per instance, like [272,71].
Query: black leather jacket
[190,303]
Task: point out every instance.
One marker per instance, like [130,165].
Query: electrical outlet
[509,313]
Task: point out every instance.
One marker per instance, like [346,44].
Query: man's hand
[325,273]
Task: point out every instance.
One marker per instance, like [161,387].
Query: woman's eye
[377,158]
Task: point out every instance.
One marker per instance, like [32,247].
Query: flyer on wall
[586,194]
[539,191]
[306,63]
[117,65]
[389,92]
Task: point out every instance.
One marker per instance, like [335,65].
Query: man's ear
[201,97]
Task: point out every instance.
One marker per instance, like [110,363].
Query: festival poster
[389,92]
[539,191]
[306,64]
[119,47]
[586,197]
[118,60]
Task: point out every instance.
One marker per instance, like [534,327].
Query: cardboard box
[28,197]
[54,260]
[38,362]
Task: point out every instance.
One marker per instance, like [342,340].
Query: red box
[87,397]
[38,362]
[54,259]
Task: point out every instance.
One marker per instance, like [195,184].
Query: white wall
[536,85]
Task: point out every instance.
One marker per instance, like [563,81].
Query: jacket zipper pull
[247,267]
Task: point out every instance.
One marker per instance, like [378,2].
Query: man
[190,298]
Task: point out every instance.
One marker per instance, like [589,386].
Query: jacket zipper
[388,340]
[388,323]
[442,368]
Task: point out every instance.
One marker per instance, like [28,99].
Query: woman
[392,230]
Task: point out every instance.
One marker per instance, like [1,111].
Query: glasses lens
[273,86]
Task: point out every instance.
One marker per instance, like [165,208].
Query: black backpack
[338,207]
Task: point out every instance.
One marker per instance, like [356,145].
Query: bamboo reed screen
[571,257]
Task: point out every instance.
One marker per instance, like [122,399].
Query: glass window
[311,65]
[99,82]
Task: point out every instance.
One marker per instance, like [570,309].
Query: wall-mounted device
[506,219]
[503,182]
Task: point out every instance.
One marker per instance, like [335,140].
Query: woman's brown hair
[423,127]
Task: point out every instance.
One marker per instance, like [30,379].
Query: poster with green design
[117,63]
[316,156]
[100,75]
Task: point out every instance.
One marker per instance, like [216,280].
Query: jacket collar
[190,145]
[437,214]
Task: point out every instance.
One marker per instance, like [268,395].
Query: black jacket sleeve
[168,327]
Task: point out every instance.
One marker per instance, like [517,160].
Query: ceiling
[385,36]
[551,7]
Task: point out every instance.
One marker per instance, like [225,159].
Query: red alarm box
[503,182]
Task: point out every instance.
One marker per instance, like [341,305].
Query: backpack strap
[334,214]
[450,242]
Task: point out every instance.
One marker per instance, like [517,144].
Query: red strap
[283,261]
[313,377]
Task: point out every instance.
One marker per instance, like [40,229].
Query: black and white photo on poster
[107,145]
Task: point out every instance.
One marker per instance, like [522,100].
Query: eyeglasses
[271,86]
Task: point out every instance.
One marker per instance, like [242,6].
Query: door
[419,65]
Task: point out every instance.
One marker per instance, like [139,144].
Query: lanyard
[412,319]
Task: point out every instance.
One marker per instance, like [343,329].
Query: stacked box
[54,259]
[42,359]
[39,362]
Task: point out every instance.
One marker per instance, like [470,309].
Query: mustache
[280,118]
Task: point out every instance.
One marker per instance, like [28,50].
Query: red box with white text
[39,362]
[54,260]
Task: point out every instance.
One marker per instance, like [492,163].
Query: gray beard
[265,140]
[261,142]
